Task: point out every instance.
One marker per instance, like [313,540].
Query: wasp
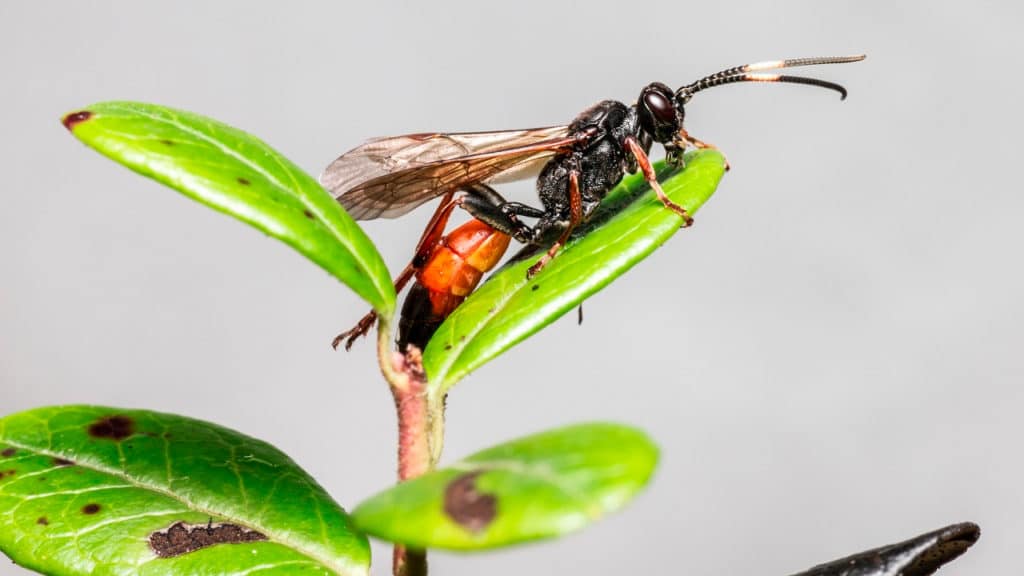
[575,165]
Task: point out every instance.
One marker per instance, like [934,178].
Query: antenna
[748,73]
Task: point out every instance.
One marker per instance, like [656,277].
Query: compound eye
[660,105]
[657,112]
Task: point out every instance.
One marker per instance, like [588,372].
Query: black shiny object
[919,556]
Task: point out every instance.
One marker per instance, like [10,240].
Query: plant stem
[408,562]
[419,425]
[413,430]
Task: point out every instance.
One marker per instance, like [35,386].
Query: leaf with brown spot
[241,505]
[236,173]
[536,487]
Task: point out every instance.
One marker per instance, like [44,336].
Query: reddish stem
[408,386]
[413,419]
[409,562]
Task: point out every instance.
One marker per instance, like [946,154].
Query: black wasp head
[659,112]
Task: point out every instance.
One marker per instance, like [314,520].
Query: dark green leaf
[88,489]
[238,174]
[536,487]
[508,308]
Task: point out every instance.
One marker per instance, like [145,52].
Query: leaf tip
[72,119]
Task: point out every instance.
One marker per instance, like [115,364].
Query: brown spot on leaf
[308,214]
[91,508]
[182,538]
[75,118]
[167,142]
[467,506]
[62,462]
[42,521]
[8,452]
[6,473]
[112,427]
[535,287]
[243,181]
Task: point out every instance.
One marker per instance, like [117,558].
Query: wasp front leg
[652,178]
[674,156]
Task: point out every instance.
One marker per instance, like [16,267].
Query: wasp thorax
[657,112]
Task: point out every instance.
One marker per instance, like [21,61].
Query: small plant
[89,489]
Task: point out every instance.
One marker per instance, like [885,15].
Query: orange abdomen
[452,271]
[456,265]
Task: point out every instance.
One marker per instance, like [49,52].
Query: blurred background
[829,358]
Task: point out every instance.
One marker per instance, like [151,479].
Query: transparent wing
[388,177]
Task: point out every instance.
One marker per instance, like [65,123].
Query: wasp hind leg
[432,235]
[356,332]
[485,204]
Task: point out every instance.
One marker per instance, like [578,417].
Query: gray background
[829,358]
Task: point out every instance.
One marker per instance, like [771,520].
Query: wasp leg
[652,179]
[359,330]
[674,156]
[485,204]
[520,209]
[575,217]
[366,322]
[432,234]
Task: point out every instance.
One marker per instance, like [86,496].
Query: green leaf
[238,174]
[536,487]
[508,308]
[89,489]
